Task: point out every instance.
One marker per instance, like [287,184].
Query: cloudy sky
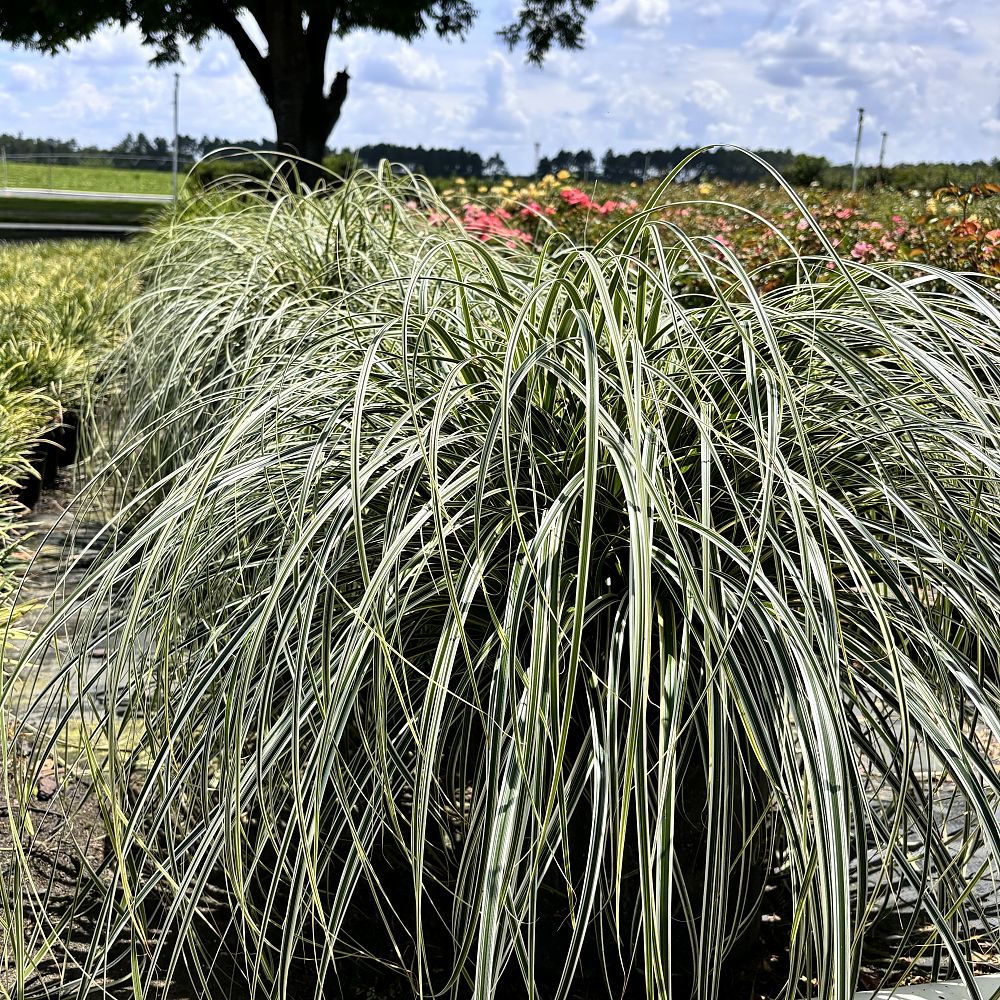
[654,73]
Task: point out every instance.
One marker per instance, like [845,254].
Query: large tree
[290,67]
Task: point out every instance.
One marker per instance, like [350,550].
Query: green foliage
[431,162]
[58,308]
[477,610]
[58,302]
[99,211]
[925,177]
[803,170]
[21,413]
[257,171]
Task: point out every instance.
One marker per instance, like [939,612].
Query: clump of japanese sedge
[503,618]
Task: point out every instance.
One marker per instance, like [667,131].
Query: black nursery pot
[55,449]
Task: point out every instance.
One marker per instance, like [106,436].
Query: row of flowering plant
[954,230]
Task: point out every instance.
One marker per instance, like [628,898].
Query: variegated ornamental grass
[475,608]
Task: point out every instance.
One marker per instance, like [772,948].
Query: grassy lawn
[72,178]
[80,212]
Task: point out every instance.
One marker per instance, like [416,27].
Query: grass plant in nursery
[20,418]
[499,616]
[58,309]
[58,304]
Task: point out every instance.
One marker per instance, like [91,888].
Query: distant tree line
[137,152]
[738,168]
[156,153]
[642,165]
[432,162]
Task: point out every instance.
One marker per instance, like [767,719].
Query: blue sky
[654,73]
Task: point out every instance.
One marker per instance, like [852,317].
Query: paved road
[85,195]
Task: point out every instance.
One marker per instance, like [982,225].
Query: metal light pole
[857,151]
[881,158]
[538,149]
[177,83]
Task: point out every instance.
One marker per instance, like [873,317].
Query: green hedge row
[259,168]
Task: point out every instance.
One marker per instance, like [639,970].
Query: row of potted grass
[504,619]
[58,303]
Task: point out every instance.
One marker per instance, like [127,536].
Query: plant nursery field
[58,304]
[956,229]
[512,593]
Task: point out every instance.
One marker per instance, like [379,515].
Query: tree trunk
[304,117]
[291,79]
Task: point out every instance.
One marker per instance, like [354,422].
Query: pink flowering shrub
[535,211]
[489,225]
[580,199]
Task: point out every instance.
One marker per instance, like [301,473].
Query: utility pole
[881,158]
[177,83]
[538,150]
[857,151]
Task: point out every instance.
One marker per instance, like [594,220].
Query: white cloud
[500,110]
[634,13]
[623,115]
[219,63]
[84,101]
[991,123]
[25,77]
[709,95]
[856,44]
[112,48]
[404,67]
